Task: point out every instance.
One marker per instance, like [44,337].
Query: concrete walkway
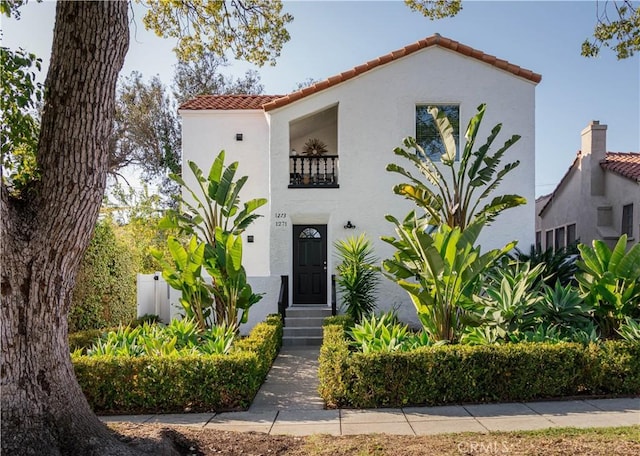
[288,403]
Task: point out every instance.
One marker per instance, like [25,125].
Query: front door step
[303,325]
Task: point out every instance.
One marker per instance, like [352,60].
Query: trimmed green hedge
[122,385]
[463,373]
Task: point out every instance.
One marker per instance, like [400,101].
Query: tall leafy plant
[214,216]
[357,280]
[437,261]
[610,282]
[456,201]
[440,271]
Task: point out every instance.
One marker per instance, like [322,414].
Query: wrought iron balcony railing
[315,171]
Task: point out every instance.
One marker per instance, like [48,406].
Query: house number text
[281,219]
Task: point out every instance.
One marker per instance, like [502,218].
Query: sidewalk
[288,403]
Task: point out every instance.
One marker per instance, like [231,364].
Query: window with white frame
[427,134]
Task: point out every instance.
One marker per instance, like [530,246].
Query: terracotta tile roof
[226,102]
[625,164]
[434,40]
[269,102]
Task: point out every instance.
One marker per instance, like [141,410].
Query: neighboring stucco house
[598,197]
[360,115]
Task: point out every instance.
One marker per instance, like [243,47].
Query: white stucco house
[360,115]
[597,198]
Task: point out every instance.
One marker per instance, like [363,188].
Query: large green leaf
[617,254]
[178,253]
[448,158]
[629,265]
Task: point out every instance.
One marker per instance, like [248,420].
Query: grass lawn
[557,441]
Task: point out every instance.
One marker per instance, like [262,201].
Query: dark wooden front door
[309,264]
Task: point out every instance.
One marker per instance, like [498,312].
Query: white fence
[156,297]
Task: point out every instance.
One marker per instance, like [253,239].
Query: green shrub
[344,320]
[154,384]
[105,292]
[82,340]
[461,373]
[357,278]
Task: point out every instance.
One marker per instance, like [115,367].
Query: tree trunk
[45,233]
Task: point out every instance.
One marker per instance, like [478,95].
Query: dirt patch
[187,441]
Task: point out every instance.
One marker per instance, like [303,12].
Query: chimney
[594,149]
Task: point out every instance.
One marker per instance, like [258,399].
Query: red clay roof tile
[625,164]
[269,102]
[227,102]
[411,48]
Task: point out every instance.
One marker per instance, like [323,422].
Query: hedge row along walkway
[288,403]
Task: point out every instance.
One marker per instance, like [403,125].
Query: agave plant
[507,302]
[559,264]
[455,202]
[380,333]
[563,306]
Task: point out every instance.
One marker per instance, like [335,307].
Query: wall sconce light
[250,238]
[238,136]
[349,225]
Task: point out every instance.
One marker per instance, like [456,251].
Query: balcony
[314,171]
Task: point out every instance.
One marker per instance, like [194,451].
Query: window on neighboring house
[548,239]
[538,240]
[559,238]
[427,134]
[627,220]
[571,234]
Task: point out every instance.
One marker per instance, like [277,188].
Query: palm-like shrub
[456,202]
[214,219]
[610,282]
[440,271]
[357,280]
[437,261]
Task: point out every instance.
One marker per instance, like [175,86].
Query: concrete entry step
[299,331]
[308,311]
[299,322]
[303,325]
[302,341]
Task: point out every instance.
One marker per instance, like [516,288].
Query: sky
[329,37]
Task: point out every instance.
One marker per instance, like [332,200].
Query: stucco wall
[204,135]
[620,192]
[375,112]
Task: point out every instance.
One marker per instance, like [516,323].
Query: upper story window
[627,220]
[427,134]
